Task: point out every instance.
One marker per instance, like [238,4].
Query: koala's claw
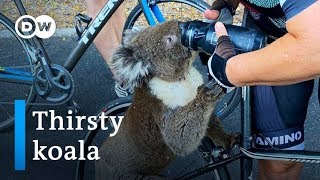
[226,141]
[235,139]
[211,91]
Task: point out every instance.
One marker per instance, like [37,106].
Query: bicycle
[38,76]
[216,158]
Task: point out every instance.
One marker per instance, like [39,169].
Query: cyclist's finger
[211,14]
[225,48]
[220,30]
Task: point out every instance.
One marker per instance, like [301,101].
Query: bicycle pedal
[79,20]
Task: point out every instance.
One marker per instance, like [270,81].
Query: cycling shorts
[278,115]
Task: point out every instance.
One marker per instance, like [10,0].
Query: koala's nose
[183,26]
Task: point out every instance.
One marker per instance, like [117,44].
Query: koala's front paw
[234,139]
[225,140]
[210,91]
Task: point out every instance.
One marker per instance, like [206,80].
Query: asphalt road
[94,87]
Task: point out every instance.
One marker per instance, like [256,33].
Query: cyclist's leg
[269,170]
[110,36]
[279,113]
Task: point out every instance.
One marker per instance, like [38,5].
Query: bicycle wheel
[13,54]
[181,10]
[190,163]
[114,108]
[170,9]
[228,103]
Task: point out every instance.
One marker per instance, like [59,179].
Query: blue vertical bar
[19,135]
[147,13]
[157,13]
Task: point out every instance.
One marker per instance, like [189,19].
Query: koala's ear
[130,34]
[128,68]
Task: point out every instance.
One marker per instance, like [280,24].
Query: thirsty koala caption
[171,107]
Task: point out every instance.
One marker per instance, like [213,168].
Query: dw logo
[27,26]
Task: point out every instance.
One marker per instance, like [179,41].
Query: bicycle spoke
[24,94]
[13,56]
[181,10]
[5,111]
[2,57]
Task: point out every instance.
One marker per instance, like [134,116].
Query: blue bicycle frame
[15,76]
[23,77]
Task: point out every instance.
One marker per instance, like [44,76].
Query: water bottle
[201,36]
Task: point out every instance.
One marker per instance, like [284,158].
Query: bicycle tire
[201,6]
[231,105]
[9,25]
[119,106]
[112,108]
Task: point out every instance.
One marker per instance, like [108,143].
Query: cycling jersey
[278,8]
[278,112]
[271,15]
[293,7]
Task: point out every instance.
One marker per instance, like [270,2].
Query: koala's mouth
[189,53]
[187,64]
[191,56]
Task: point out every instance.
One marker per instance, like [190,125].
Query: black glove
[218,61]
[229,4]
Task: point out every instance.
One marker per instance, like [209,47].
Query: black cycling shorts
[279,113]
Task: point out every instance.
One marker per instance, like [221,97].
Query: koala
[171,106]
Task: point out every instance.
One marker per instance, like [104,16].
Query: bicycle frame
[22,77]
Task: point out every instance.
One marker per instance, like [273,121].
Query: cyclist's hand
[219,11]
[216,7]
[223,52]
